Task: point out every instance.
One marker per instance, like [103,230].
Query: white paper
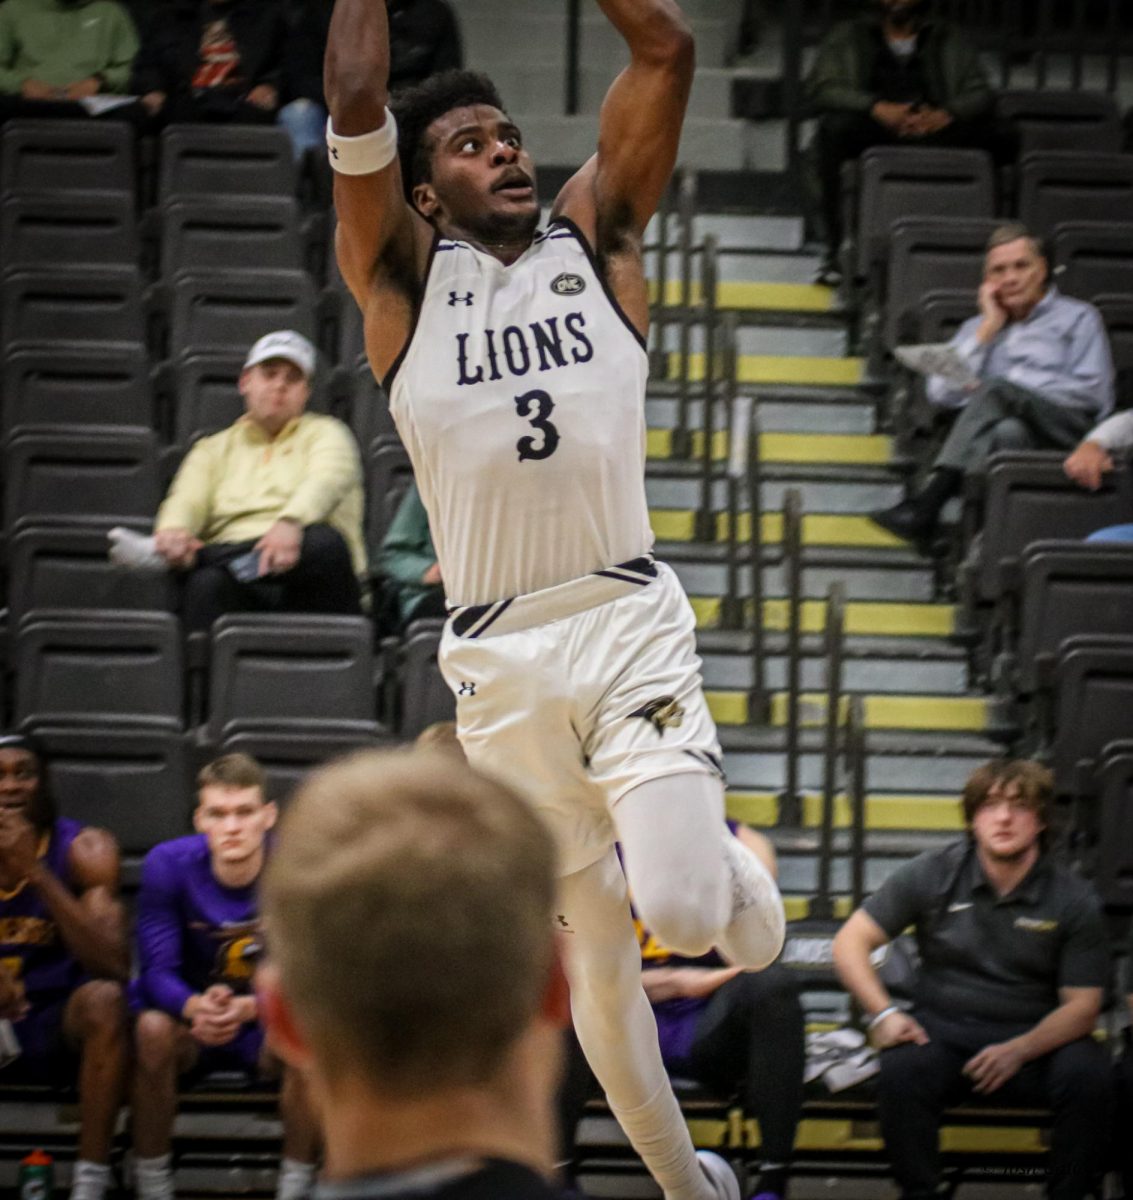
[97,105]
[938,358]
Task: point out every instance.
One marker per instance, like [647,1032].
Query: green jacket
[59,43]
[839,79]
[407,553]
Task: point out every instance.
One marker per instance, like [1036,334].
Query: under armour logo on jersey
[455,298]
[466,688]
[334,151]
[568,284]
[663,713]
[563,924]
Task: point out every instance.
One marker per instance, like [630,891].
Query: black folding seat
[898,181]
[76,385]
[1062,120]
[1056,186]
[1114,875]
[259,232]
[135,783]
[56,155]
[388,476]
[288,751]
[229,309]
[106,475]
[1027,498]
[1093,697]
[1093,258]
[368,412]
[307,667]
[245,160]
[1069,588]
[64,229]
[1117,313]
[112,667]
[66,566]
[92,304]
[932,254]
[425,697]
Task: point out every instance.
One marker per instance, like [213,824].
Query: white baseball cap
[284,343]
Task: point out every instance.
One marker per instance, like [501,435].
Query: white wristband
[877,1018]
[366,153]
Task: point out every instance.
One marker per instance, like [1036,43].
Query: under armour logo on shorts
[466,689]
[455,298]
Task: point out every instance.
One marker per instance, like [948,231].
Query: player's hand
[178,547]
[890,114]
[994,1066]
[13,999]
[264,96]
[925,121]
[18,857]
[895,1030]
[35,89]
[82,88]
[154,102]
[991,310]
[210,1030]
[432,577]
[1088,464]
[279,547]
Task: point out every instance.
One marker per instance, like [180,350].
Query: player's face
[235,821]
[19,783]
[1019,273]
[1005,826]
[483,180]
[274,392]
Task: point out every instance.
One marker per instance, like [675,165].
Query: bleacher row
[130,298]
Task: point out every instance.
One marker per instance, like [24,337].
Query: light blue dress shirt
[1060,351]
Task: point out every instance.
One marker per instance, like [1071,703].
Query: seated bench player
[63,955]
[198,941]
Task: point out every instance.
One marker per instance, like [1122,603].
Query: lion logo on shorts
[663,713]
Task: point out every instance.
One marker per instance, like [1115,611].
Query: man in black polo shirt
[1014,958]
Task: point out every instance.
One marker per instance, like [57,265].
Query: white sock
[89,1180]
[658,1133]
[754,935]
[296,1180]
[153,1177]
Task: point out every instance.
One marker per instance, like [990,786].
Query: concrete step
[862,672]
[797,449]
[818,529]
[879,490]
[755,340]
[781,410]
[884,812]
[862,619]
[881,711]
[781,369]
[749,266]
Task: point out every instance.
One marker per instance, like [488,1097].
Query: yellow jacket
[235,484]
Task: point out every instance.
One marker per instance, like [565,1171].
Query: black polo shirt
[987,957]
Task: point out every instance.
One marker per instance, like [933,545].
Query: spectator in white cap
[267,514]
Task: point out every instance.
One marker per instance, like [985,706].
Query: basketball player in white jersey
[516,368]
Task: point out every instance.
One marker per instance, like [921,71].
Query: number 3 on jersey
[542,405]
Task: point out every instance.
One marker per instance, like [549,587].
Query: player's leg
[694,885]
[163,1050]
[617,1031]
[95,1024]
[301,1136]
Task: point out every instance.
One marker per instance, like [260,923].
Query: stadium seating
[203,232]
[111,667]
[68,229]
[225,159]
[269,667]
[64,156]
[1093,258]
[425,697]
[1056,186]
[1117,313]
[388,476]
[1062,120]
[1114,874]
[72,305]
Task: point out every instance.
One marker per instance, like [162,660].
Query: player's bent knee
[682,925]
[155,1041]
[99,1007]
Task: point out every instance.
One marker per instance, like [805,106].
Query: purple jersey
[30,945]
[193,931]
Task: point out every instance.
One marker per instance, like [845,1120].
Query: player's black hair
[416,108]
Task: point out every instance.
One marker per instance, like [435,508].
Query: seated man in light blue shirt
[1045,377]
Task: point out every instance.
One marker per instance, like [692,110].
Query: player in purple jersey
[198,942]
[413,978]
[63,953]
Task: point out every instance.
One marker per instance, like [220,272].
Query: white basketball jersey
[520,398]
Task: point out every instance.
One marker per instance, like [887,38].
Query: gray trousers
[1004,416]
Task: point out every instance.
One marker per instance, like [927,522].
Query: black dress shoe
[906,520]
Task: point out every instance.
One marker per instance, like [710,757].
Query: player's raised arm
[378,234]
[640,128]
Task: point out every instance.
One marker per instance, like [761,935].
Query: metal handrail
[856,750]
[790,811]
[686,209]
[822,906]
[713,376]
[739,448]
[758,700]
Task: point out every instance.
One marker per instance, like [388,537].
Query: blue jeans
[305,122]
[1112,533]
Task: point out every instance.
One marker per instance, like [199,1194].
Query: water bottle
[36,1180]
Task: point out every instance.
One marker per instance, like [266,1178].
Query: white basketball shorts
[576,694]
